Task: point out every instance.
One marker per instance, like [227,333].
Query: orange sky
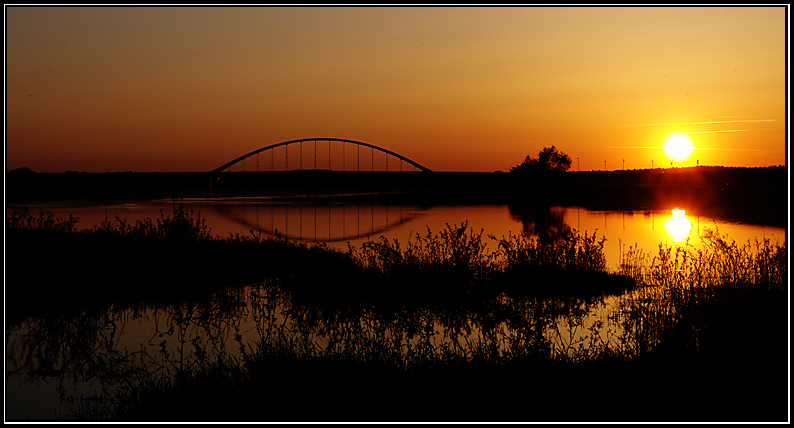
[455,89]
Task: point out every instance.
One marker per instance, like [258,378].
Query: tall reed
[719,261]
[21,219]
[184,224]
[572,252]
[455,250]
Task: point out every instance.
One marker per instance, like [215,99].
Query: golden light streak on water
[678,226]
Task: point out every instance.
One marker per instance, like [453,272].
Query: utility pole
[605,164]
[624,164]
[577,165]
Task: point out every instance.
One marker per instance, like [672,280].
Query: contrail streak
[729,130]
[696,148]
[710,122]
[714,132]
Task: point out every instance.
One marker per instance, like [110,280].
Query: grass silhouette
[370,331]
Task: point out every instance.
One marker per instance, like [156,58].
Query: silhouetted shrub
[46,221]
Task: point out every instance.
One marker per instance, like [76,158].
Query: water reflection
[77,362]
[56,365]
[338,224]
[547,223]
[678,226]
[319,221]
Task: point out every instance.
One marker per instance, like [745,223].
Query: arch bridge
[301,141]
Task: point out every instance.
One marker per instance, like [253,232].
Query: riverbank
[753,195]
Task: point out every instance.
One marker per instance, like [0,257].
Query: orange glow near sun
[455,89]
[678,147]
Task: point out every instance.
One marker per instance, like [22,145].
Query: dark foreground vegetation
[436,329]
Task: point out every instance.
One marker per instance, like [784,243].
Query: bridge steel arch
[301,140]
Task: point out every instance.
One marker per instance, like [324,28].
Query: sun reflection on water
[678,226]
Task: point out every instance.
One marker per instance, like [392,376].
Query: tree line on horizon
[549,161]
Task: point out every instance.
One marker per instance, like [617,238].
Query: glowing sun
[678,147]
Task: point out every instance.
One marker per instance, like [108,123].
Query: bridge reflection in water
[318,221]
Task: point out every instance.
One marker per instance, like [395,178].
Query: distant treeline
[750,194]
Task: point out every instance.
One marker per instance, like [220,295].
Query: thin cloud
[634,147]
[732,121]
[706,122]
[720,149]
[696,148]
[714,132]
[729,130]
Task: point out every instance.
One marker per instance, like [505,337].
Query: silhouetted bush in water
[440,268]
[573,265]
[454,263]
[453,251]
[184,225]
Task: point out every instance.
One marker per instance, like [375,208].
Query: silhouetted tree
[549,160]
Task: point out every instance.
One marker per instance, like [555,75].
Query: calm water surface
[338,225]
[52,366]
[49,363]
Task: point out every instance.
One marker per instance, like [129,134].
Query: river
[340,224]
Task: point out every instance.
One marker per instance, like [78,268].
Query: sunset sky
[453,88]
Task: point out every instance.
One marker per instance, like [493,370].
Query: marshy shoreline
[711,348]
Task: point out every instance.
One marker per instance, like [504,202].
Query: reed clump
[439,268]
[718,262]
[573,265]
[689,295]
[456,265]
[183,225]
[456,250]
[22,219]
